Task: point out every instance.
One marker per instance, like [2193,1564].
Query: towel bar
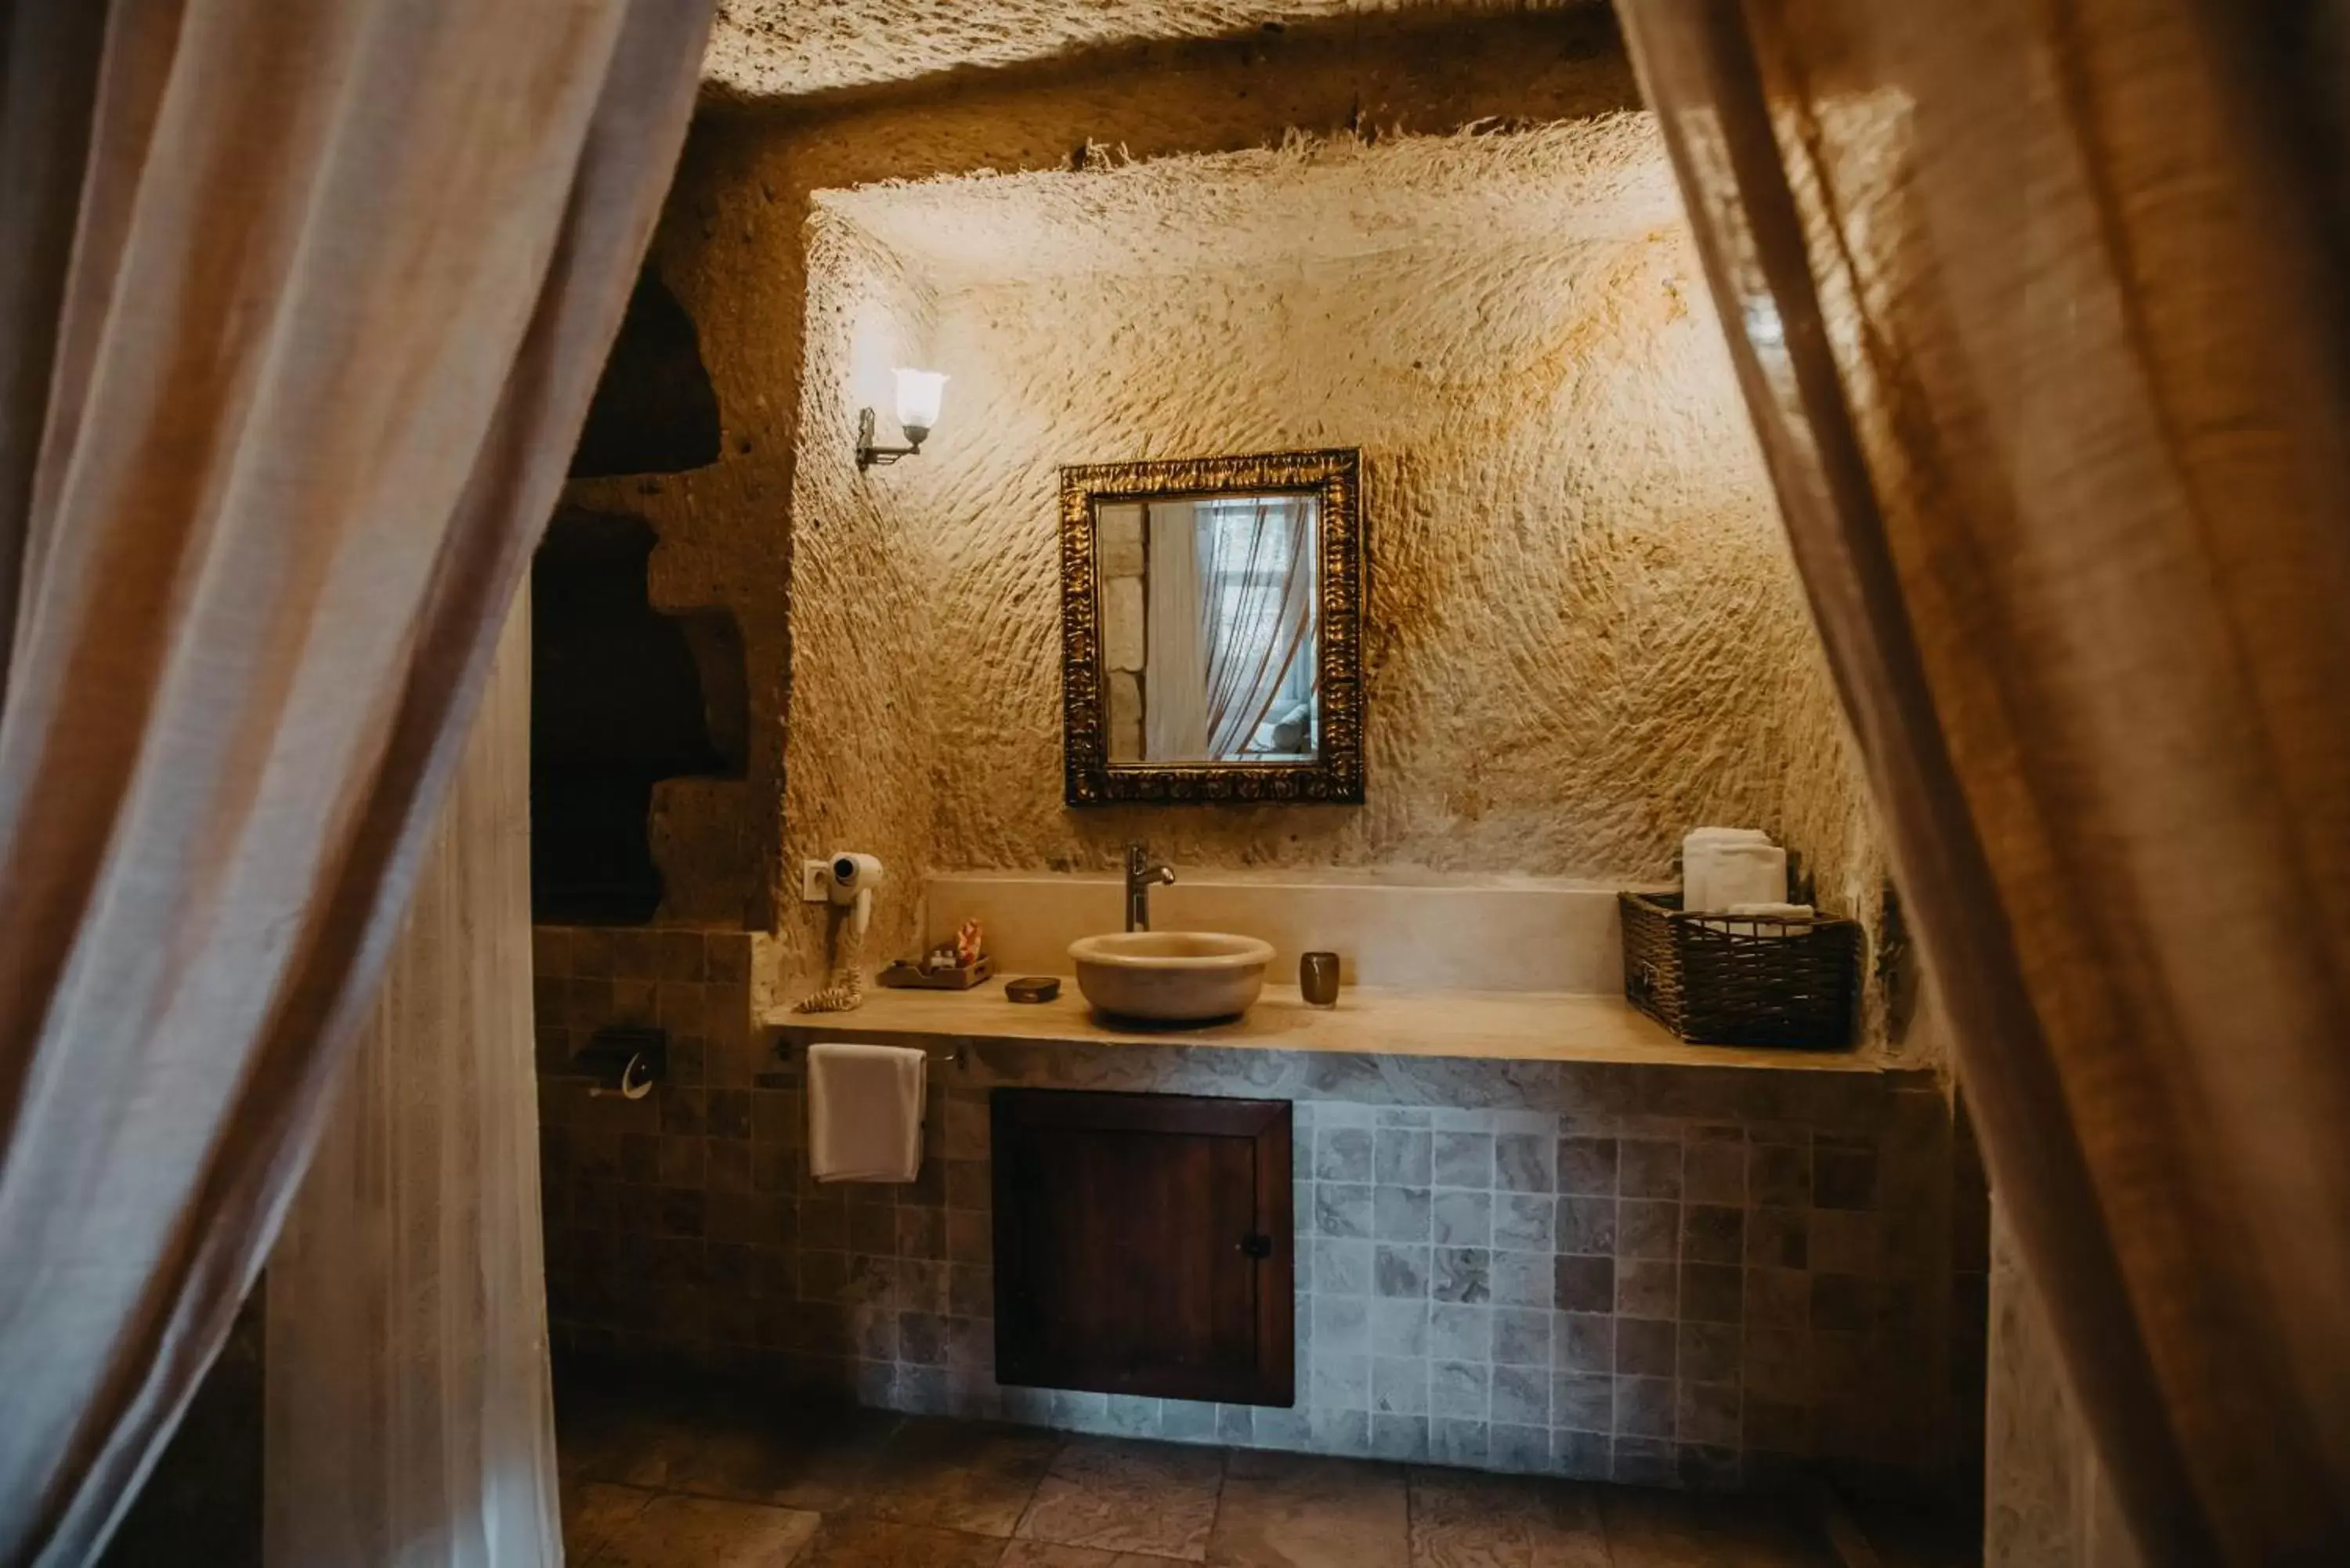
[953,1058]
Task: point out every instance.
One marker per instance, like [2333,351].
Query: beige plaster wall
[1585,634]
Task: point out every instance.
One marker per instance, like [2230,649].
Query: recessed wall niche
[1583,632]
[654,410]
[622,696]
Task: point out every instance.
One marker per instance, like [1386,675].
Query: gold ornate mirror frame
[1336,776]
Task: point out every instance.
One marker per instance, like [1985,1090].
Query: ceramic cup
[1317,977]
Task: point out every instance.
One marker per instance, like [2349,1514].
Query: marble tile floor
[708,1481]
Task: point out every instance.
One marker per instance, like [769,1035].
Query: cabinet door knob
[1257,1246]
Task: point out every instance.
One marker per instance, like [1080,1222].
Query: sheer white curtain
[1175,666]
[302,302]
[1259,608]
[409,1419]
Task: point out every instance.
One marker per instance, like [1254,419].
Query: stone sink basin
[1171,977]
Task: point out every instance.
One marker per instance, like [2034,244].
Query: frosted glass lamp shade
[918,401]
[917,411]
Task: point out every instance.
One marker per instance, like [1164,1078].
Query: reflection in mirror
[1208,625]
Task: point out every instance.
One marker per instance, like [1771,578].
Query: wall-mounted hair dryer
[850,879]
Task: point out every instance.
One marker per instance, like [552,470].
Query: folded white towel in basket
[1725,865]
[1774,921]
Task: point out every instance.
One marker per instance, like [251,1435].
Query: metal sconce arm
[869,456]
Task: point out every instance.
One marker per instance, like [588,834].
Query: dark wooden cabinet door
[1144,1244]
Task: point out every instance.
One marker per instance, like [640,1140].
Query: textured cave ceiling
[1602,179]
[780,48]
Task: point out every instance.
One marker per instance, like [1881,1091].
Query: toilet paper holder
[623,1061]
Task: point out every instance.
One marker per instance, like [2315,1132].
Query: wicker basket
[1725,980]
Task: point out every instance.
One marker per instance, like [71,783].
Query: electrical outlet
[815,881]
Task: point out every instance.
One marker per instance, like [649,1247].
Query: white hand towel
[865,1112]
[1747,874]
[1718,867]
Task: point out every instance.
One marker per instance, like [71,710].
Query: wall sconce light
[917,411]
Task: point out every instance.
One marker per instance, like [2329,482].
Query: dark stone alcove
[621,696]
[654,410]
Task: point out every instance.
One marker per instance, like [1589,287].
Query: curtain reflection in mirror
[1229,610]
[1175,701]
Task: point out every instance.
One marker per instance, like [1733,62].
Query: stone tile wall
[696,984]
[630,1188]
[1648,1274]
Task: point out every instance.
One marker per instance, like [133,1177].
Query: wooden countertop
[1498,1027]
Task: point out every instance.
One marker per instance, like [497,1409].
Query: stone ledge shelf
[1483,1026]
[1582,1053]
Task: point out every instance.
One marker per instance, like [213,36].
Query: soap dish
[1032,988]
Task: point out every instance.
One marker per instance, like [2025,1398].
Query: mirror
[1212,628]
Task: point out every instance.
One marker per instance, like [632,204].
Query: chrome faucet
[1142,873]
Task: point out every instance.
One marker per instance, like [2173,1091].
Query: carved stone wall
[1634,568]
[621,699]
[734,247]
[860,771]
[770,48]
[1584,634]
